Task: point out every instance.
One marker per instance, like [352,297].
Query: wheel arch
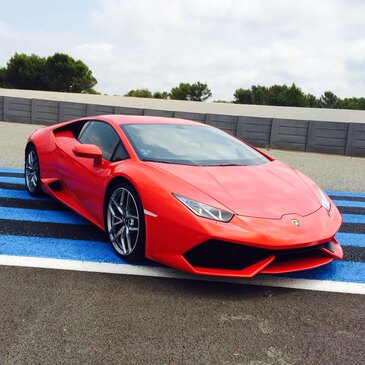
[29,144]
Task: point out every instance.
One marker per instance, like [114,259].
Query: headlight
[324,200]
[204,210]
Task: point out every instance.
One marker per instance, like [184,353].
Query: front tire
[125,222]
[32,172]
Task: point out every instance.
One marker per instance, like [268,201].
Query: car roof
[119,119]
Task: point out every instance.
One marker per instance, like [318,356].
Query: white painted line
[162,272]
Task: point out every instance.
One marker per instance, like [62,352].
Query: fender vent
[55,185]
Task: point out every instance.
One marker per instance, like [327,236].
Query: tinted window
[189,145]
[103,136]
[83,126]
[120,153]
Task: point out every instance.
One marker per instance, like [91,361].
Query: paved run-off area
[52,316]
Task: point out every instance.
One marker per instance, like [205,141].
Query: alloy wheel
[123,221]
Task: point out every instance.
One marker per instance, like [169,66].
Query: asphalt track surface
[72,317]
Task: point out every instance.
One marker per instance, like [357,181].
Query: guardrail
[252,123]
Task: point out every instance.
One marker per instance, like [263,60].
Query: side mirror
[89,151]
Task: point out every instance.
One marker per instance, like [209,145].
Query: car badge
[296,222]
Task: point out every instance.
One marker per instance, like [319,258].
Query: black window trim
[83,128]
[88,122]
[120,143]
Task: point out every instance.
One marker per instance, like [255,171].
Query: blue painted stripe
[353,218]
[349,203]
[351,239]
[12,180]
[346,193]
[69,217]
[34,215]
[20,194]
[58,249]
[352,272]
[10,169]
[103,252]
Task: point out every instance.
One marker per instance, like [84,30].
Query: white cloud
[251,42]
[319,45]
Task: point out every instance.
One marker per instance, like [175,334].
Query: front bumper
[224,258]
[249,245]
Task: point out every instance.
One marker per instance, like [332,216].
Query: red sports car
[184,194]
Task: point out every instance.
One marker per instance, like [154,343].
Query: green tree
[194,92]
[161,95]
[139,93]
[3,72]
[282,95]
[199,92]
[352,103]
[361,103]
[242,96]
[276,95]
[25,72]
[294,96]
[312,101]
[63,73]
[259,94]
[180,92]
[59,72]
[329,100]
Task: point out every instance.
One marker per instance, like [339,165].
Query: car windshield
[186,144]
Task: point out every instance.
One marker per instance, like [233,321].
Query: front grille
[293,254]
[217,254]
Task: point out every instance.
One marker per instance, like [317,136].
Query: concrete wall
[279,131]
[254,130]
[1,108]
[289,134]
[329,137]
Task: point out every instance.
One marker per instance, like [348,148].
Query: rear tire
[125,222]
[32,172]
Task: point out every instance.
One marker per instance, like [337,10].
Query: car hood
[265,191]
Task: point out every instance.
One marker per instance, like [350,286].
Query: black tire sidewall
[38,189]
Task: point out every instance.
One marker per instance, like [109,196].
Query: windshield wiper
[153,160]
[228,164]
[177,162]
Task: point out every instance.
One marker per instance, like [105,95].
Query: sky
[228,44]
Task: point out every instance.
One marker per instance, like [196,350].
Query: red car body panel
[265,200]
[257,182]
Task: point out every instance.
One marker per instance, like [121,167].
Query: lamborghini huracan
[184,194]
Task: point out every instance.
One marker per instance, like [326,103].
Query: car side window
[120,153]
[104,136]
[79,133]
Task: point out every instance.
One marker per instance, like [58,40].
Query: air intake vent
[217,254]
